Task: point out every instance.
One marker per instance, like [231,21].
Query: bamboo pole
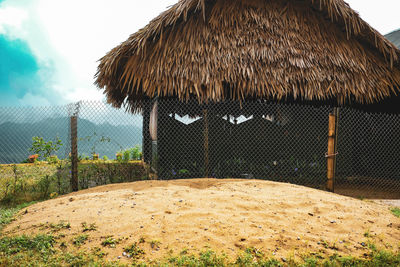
[206,143]
[331,154]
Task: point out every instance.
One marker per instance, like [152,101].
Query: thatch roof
[214,50]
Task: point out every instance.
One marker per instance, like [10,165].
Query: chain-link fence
[109,148]
[284,143]
[369,153]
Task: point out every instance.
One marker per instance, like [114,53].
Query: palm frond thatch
[214,50]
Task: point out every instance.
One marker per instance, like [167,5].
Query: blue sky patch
[18,70]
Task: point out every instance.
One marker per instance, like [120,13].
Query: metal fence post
[74,153]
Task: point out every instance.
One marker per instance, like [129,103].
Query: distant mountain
[394,37]
[16,138]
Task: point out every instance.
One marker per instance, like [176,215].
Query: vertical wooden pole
[331,154]
[206,143]
[74,153]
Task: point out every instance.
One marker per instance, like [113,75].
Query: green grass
[41,250]
[20,183]
[80,240]
[86,227]
[7,213]
[44,250]
[110,242]
[134,250]
[396,212]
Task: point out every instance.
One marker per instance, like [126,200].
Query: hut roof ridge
[132,70]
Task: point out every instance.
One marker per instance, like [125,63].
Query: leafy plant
[44,185]
[91,227]
[80,240]
[52,159]
[110,242]
[45,149]
[396,212]
[59,226]
[136,153]
[126,155]
[134,250]
[155,244]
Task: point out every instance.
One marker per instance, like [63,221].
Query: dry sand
[224,215]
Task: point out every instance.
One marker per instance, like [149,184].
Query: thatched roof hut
[317,51]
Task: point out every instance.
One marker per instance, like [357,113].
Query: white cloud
[34,100]
[11,20]
[383,15]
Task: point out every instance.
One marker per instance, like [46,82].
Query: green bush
[136,153]
[126,155]
[24,183]
[45,149]
[52,159]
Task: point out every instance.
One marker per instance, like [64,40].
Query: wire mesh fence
[103,133]
[284,143]
[277,142]
[369,147]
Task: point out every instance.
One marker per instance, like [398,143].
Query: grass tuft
[7,213]
[396,212]
[80,240]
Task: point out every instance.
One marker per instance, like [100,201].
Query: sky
[49,48]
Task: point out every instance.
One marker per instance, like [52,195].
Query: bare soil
[224,215]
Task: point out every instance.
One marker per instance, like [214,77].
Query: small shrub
[126,155]
[59,226]
[136,153]
[52,159]
[86,227]
[45,149]
[155,244]
[98,252]
[80,240]
[110,242]
[44,185]
[134,250]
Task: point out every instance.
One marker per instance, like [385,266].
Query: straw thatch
[214,50]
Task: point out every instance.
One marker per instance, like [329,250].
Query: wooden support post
[74,153]
[206,143]
[331,154]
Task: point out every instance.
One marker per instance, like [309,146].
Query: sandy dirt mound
[224,215]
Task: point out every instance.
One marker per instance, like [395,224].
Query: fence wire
[284,143]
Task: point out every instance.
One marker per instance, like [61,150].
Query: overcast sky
[49,48]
